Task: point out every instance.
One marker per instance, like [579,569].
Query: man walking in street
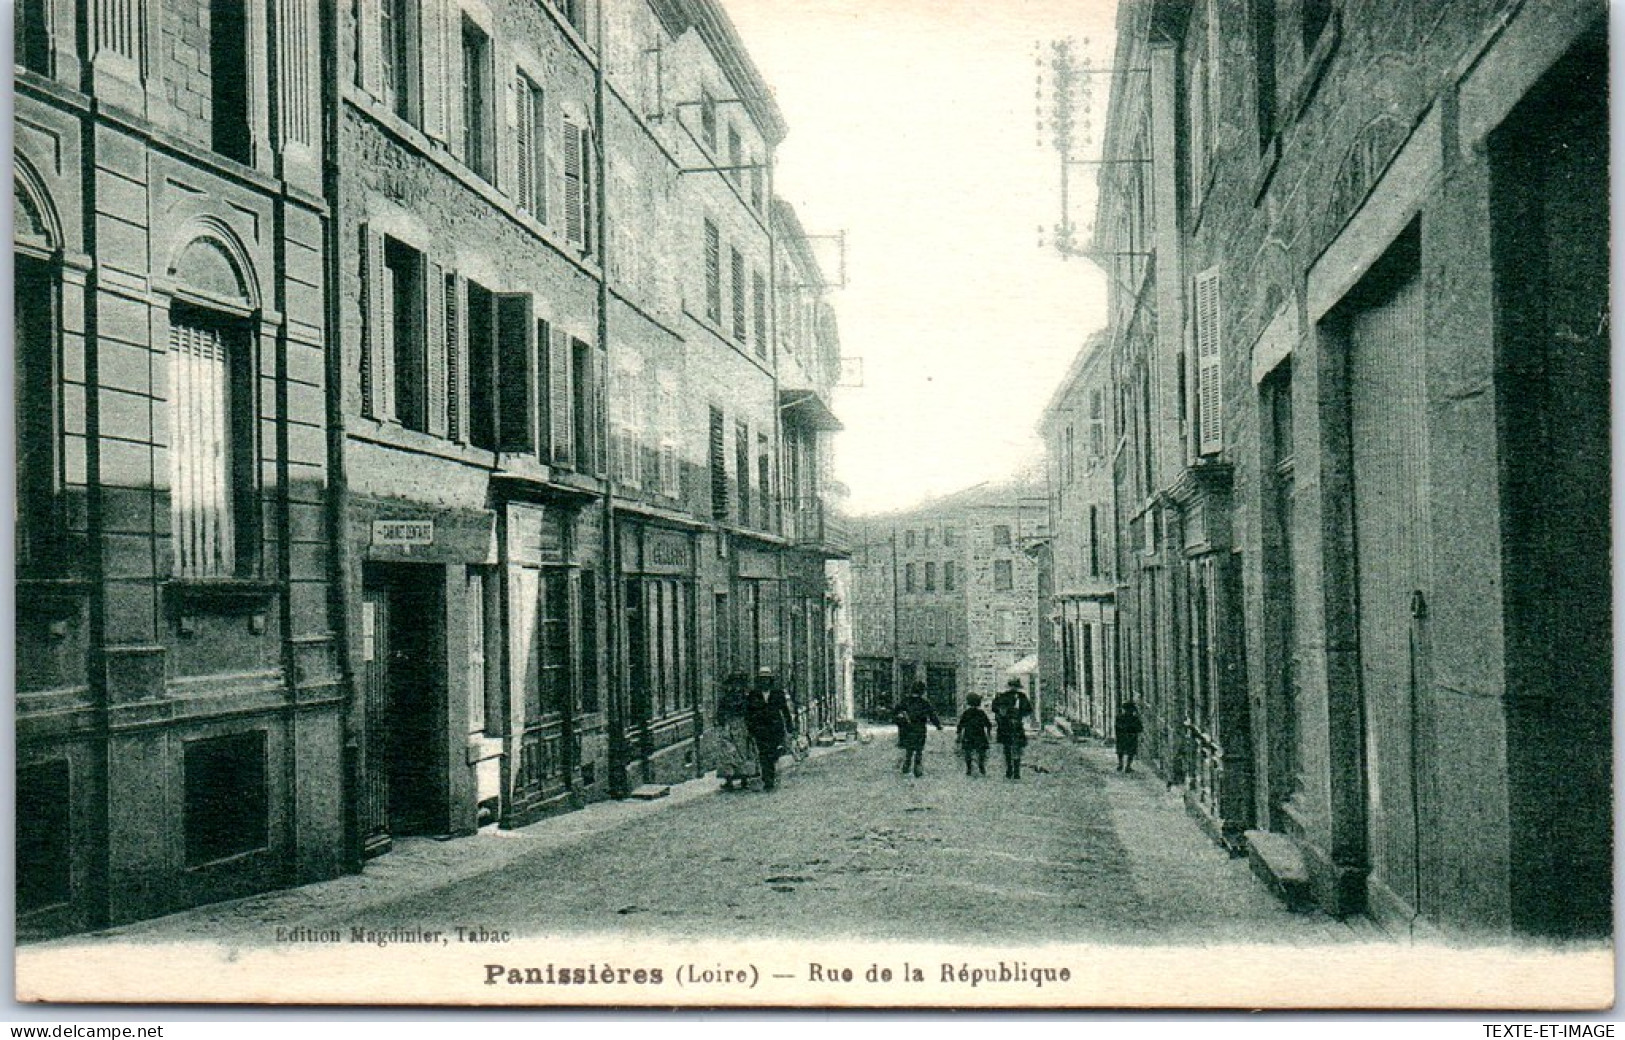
[1010,710]
[768,716]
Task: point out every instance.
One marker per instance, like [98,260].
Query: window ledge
[244,591]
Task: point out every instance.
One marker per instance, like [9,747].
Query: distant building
[947,594]
[1360,446]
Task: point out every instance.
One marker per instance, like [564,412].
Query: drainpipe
[341,566]
[614,636]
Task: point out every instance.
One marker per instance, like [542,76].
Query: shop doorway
[403,676]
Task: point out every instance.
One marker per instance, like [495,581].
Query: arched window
[213,454]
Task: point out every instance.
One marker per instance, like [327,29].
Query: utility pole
[896,641]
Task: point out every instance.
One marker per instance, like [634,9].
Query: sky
[913,129]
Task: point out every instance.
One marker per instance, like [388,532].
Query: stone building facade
[947,595]
[1360,347]
[1081,602]
[180,704]
[467,424]
[573,479]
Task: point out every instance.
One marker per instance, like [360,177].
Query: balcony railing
[808,520]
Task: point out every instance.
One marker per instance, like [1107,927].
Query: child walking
[972,729]
[912,716]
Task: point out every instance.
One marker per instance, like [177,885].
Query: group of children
[1008,726]
[1011,708]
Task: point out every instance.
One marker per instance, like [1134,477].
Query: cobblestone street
[1074,852]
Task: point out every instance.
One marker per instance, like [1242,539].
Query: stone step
[649,792]
[1278,863]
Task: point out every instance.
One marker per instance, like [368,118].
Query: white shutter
[574,215]
[559,390]
[524,149]
[369,58]
[432,37]
[1209,368]
[200,453]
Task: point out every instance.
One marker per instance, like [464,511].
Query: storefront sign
[665,552]
[403,532]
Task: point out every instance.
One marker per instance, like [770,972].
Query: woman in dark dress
[1128,727]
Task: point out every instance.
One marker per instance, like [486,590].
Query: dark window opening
[39,548]
[477,139]
[742,469]
[1264,68]
[33,39]
[404,302]
[228,86]
[226,800]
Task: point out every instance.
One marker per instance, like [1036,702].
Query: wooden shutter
[574,215]
[558,386]
[516,351]
[377,346]
[437,377]
[369,57]
[456,358]
[452,74]
[1209,399]
[737,274]
[717,456]
[432,37]
[524,143]
[759,294]
[713,272]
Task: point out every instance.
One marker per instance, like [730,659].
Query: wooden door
[1388,431]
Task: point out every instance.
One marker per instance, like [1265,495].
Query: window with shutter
[742,470]
[717,458]
[713,273]
[1209,398]
[670,430]
[575,221]
[437,356]
[560,390]
[758,289]
[764,481]
[530,136]
[737,270]
[456,367]
[212,478]
[736,155]
[478,145]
